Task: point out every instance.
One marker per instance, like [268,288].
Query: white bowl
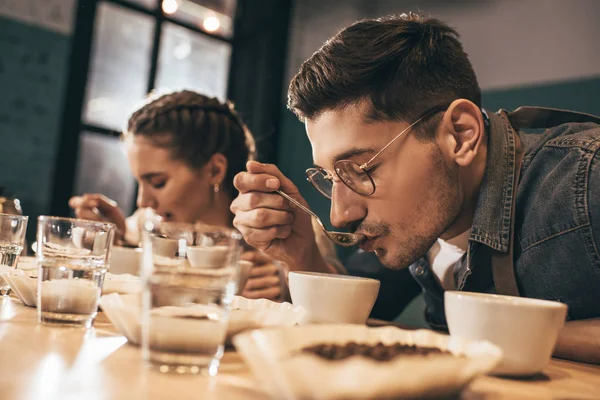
[274,356]
[525,329]
[207,257]
[333,298]
[165,247]
[125,260]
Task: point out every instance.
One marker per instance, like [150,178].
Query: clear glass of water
[12,237]
[72,257]
[190,277]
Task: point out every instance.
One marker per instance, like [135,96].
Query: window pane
[119,67]
[192,61]
[149,4]
[213,16]
[103,168]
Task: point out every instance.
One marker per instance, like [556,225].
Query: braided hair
[194,127]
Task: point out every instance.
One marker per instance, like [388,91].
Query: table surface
[48,362]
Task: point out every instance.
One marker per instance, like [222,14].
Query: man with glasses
[465,199]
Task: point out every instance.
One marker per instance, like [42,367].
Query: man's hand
[270,223]
[579,341]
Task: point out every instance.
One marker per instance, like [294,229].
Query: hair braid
[196,127]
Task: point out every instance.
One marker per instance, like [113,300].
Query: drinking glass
[12,237]
[190,277]
[72,257]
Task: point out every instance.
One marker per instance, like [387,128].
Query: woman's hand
[97,207]
[265,279]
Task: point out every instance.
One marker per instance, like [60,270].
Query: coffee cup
[525,329]
[330,298]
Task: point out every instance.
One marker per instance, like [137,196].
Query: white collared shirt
[444,254]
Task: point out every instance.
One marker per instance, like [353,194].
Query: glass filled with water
[72,257]
[12,237]
[189,274]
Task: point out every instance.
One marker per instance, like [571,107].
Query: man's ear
[462,131]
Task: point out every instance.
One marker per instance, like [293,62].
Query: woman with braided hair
[184,150]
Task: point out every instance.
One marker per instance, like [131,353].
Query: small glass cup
[72,257]
[12,238]
[190,277]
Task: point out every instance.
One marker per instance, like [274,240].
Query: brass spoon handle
[296,202]
[340,238]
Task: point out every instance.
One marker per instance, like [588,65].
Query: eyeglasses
[356,176]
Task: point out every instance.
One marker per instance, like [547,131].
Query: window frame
[255,83]
[159,19]
[73,123]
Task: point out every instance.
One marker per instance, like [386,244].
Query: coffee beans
[378,352]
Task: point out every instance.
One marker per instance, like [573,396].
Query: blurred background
[71,71]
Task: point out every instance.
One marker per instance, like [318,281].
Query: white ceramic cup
[207,257]
[125,260]
[164,247]
[330,298]
[525,329]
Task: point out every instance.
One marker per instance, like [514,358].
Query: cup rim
[199,249]
[197,227]
[127,249]
[15,216]
[508,301]
[98,224]
[316,275]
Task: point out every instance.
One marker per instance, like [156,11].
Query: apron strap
[503,269]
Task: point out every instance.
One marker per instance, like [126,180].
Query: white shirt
[444,254]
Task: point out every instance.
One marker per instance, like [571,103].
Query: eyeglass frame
[365,167]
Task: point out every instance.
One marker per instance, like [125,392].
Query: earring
[216,188]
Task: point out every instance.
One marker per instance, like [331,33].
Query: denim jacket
[557,221]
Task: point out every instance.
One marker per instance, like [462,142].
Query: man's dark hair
[400,66]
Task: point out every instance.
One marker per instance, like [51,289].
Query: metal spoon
[341,238]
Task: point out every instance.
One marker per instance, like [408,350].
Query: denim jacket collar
[491,222]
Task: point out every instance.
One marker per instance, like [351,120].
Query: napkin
[124,312]
[275,357]
[23,286]
[121,283]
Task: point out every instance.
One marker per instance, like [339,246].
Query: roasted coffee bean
[379,351]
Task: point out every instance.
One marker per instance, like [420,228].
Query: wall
[35,42]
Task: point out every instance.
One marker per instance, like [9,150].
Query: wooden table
[43,362]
